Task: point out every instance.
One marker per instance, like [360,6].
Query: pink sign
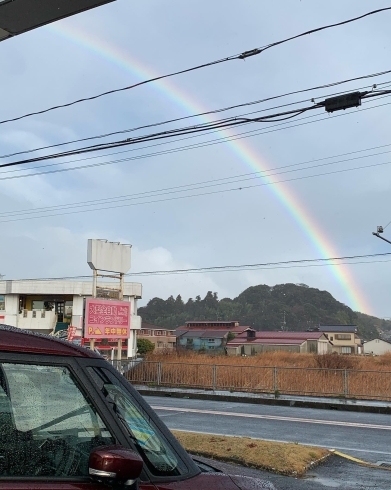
[106,319]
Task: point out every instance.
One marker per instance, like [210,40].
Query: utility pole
[283,327]
[377,233]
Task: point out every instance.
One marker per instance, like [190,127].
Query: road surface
[364,435]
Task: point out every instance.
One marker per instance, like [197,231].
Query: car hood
[218,481]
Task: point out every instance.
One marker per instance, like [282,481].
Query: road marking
[274,417]
[359,461]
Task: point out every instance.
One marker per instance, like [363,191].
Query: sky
[326,207]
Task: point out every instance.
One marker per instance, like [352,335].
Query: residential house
[206,335]
[377,347]
[251,342]
[343,338]
[162,338]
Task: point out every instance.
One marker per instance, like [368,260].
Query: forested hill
[262,307]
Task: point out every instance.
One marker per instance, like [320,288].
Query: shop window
[2,303]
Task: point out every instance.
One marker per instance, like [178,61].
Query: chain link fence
[340,383]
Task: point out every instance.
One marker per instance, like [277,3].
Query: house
[377,347]
[251,342]
[53,306]
[206,335]
[162,338]
[343,338]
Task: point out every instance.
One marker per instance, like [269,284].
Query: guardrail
[341,383]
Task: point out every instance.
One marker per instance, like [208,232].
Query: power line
[213,142]
[232,268]
[240,56]
[207,183]
[200,194]
[204,184]
[209,131]
[220,181]
[215,111]
[219,125]
[215,126]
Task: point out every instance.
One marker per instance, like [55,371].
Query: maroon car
[70,421]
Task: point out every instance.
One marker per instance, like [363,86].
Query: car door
[48,425]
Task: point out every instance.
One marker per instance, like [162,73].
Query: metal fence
[341,383]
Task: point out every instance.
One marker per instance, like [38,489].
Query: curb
[324,405]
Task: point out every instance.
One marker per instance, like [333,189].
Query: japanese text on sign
[107,319]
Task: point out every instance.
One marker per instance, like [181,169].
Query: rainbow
[307,223]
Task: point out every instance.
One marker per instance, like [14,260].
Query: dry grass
[296,374]
[283,458]
[280,359]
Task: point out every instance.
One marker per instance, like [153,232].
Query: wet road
[365,436]
[334,474]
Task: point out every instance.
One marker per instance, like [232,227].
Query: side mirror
[115,465]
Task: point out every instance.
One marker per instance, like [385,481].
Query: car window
[153,447]
[47,426]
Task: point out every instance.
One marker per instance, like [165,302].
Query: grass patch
[279,457]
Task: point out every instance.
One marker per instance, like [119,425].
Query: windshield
[158,455]
[47,426]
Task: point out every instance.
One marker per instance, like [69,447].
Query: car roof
[14,339]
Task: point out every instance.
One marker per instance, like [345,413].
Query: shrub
[144,346]
[333,361]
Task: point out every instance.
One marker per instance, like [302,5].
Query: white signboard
[108,256]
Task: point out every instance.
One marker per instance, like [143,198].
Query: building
[377,347]
[206,335]
[50,306]
[22,16]
[162,338]
[251,342]
[343,338]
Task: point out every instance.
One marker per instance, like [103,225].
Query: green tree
[144,346]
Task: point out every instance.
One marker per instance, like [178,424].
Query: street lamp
[377,233]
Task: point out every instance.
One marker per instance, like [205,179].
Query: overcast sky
[308,218]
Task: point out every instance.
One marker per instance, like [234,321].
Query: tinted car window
[47,426]
[155,450]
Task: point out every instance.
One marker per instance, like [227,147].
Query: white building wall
[37,320]
[377,347]
[11,312]
[78,289]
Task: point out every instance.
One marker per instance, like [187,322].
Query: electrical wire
[220,125]
[240,56]
[216,141]
[234,268]
[106,208]
[216,111]
[203,184]
[149,146]
[215,126]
